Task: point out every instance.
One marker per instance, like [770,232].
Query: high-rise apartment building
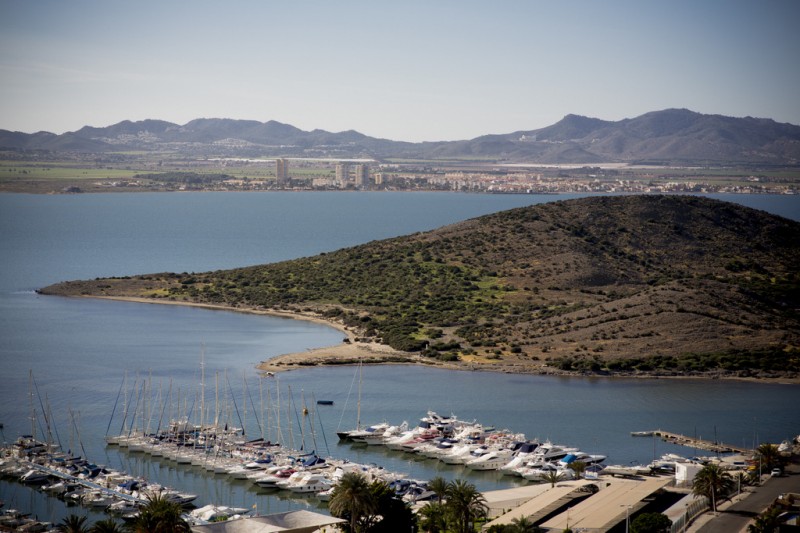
[281,172]
[342,174]
[362,176]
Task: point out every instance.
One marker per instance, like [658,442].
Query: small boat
[270,481]
[217,513]
[33,476]
[626,471]
[324,402]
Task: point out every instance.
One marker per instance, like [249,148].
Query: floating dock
[86,483]
[692,442]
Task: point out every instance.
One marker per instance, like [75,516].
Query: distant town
[146,173]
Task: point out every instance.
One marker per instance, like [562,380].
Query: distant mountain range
[671,136]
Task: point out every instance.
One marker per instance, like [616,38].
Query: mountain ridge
[677,136]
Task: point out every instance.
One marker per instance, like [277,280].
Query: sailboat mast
[202,386]
[33,409]
[360,381]
[244,394]
[261,394]
[216,399]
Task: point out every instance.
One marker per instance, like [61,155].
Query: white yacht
[539,473]
[492,460]
[464,453]
[310,483]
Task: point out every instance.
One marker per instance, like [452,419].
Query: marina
[80,356]
[593,496]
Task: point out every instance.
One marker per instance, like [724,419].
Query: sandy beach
[350,351]
[354,350]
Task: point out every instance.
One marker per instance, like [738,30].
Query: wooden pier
[692,442]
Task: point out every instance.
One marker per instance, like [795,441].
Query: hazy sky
[403,70]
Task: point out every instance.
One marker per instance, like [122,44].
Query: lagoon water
[78,352]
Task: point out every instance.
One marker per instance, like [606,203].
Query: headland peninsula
[622,285]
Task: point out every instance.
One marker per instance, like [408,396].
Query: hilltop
[667,137]
[667,284]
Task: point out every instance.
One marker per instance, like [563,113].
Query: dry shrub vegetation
[658,284]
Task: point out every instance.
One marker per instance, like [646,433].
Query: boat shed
[289,522]
[685,472]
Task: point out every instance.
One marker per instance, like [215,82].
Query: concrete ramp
[539,500]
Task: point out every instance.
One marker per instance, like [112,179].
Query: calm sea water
[79,351]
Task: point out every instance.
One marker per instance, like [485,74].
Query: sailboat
[345,435]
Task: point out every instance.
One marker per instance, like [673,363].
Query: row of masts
[226,416]
[47,416]
[148,413]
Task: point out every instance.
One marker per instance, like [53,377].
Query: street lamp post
[627,516]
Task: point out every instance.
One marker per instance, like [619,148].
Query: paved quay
[734,516]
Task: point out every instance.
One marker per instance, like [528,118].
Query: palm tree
[438,486]
[432,517]
[73,524]
[159,515]
[464,505]
[351,499]
[579,467]
[523,525]
[769,456]
[553,477]
[712,482]
[109,525]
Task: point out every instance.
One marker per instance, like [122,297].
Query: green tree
[651,523]
[352,500]
[392,513]
[432,518]
[74,524]
[501,528]
[766,522]
[713,483]
[109,525]
[464,506]
[159,515]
